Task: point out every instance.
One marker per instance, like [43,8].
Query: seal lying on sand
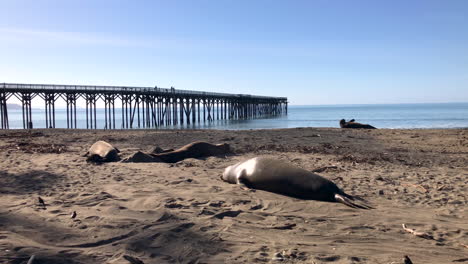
[193,150]
[102,151]
[140,157]
[283,178]
[352,124]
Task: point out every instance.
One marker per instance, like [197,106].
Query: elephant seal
[279,177]
[102,151]
[193,150]
[352,124]
[159,150]
[140,157]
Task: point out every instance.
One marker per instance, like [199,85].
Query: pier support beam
[49,100]
[4,110]
[26,99]
[91,113]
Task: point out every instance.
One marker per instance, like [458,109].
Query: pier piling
[141,107]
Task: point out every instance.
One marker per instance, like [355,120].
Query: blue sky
[313,52]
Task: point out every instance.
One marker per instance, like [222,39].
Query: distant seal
[280,177]
[193,150]
[352,124]
[101,151]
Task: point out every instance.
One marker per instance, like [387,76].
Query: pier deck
[141,107]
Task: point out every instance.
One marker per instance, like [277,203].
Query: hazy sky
[313,52]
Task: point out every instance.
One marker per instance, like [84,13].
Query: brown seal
[280,177]
[352,124]
[193,150]
[140,157]
[101,151]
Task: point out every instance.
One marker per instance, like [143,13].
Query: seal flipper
[349,201]
[95,158]
[242,180]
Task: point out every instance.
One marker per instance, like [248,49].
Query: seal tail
[350,201]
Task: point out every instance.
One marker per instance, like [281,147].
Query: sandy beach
[184,212]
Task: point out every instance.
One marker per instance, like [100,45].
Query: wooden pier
[141,107]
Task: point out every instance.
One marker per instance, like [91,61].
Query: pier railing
[141,107]
[114,89]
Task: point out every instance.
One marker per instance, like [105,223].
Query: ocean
[396,116]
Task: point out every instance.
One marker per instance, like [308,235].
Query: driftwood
[31,260]
[415,186]
[419,234]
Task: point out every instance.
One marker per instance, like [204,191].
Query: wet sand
[184,213]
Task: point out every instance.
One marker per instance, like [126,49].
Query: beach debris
[31,259]
[133,260]
[290,255]
[407,260]
[228,214]
[73,215]
[419,234]
[416,186]
[329,258]
[41,202]
[30,147]
[278,256]
[460,260]
[101,151]
[205,211]
[283,227]
[322,169]
[313,135]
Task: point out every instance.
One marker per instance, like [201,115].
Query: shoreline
[183,212]
[422,116]
[214,129]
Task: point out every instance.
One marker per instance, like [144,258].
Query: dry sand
[184,213]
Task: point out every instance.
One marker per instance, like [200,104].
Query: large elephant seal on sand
[194,150]
[101,151]
[280,177]
[352,124]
